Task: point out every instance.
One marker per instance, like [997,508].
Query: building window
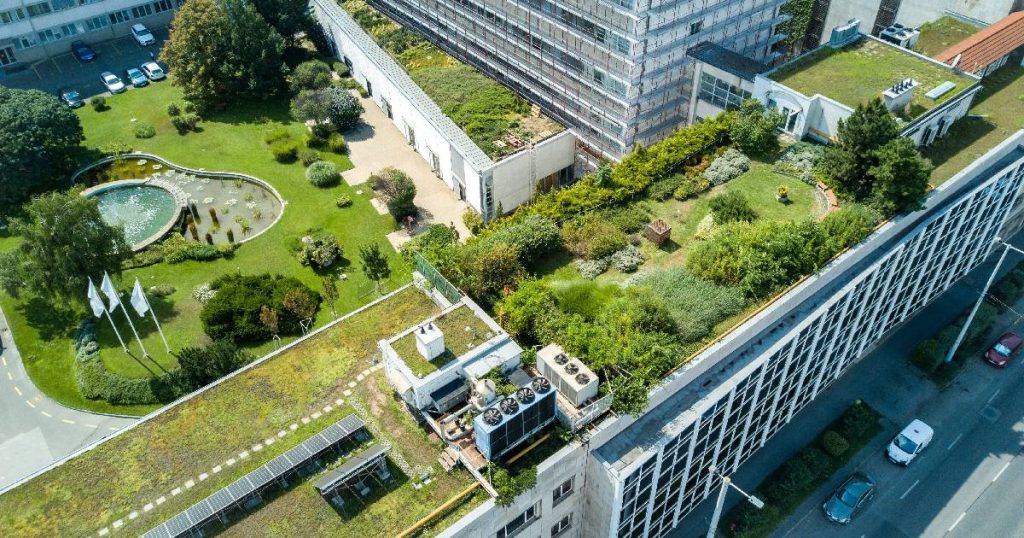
[119,16]
[35,10]
[12,15]
[144,10]
[720,93]
[561,492]
[696,27]
[62,4]
[161,6]
[520,522]
[97,23]
[563,525]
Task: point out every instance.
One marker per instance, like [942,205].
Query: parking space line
[10,376]
[16,389]
[30,404]
[950,447]
[957,522]
[993,397]
[912,486]
[1001,471]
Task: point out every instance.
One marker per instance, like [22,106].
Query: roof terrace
[861,71]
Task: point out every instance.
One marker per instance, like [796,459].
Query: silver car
[142,35]
[113,84]
[153,71]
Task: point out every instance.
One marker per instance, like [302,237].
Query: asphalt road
[35,431]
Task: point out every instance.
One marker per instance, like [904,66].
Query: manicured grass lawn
[229,141]
[138,466]
[1001,112]
[937,36]
[462,332]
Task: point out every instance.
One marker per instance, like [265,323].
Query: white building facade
[641,477]
[33,30]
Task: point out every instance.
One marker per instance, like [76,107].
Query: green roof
[463,330]
[937,36]
[861,71]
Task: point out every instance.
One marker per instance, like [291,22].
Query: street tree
[40,138]
[64,241]
[220,50]
[375,264]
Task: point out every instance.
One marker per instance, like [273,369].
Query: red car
[1004,349]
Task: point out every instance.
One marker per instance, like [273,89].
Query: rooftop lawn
[861,71]
[462,330]
[497,120]
[229,141]
[997,112]
[937,36]
[121,475]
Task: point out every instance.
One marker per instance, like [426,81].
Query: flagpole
[115,300]
[132,325]
[119,339]
[153,313]
[98,306]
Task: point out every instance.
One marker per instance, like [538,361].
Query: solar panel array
[357,463]
[241,489]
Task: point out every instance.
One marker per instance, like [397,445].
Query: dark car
[849,499]
[83,52]
[71,98]
[1004,349]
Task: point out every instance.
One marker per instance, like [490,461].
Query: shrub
[591,269]
[162,290]
[227,250]
[474,221]
[284,151]
[309,156]
[817,461]
[191,120]
[231,235]
[800,161]
[323,174]
[691,186]
[319,250]
[755,126]
[96,382]
[731,206]
[593,238]
[631,218]
[310,75]
[343,200]
[233,313]
[397,190]
[190,108]
[315,140]
[727,166]
[277,135]
[341,69]
[203,293]
[857,420]
[180,125]
[533,237]
[190,250]
[173,109]
[98,103]
[336,143]
[491,270]
[696,305]
[628,259]
[200,366]
[663,189]
[144,130]
[834,444]
[705,227]
[335,106]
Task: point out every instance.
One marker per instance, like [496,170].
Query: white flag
[98,308]
[107,287]
[138,299]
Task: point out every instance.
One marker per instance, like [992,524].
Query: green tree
[330,292]
[203,365]
[732,206]
[522,310]
[333,109]
[398,191]
[492,270]
[855,152]
[64,241]
[39,137]
[288,17]
[629,395]
[220,50]
[900,177]
[375,263]
[754,128]
[310,75]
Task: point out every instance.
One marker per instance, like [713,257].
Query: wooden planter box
[658,232]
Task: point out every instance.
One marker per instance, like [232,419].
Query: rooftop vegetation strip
[493,117]
[939,35]
[462,330]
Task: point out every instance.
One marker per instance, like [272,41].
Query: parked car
[851,497]
[83,52]
[909,443]
[136,77]
[153,71]
[112,83]
[142,35]
[1005,349]
[71,98]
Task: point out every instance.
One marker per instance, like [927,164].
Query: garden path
[378,143]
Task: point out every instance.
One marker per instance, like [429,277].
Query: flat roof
[463,331]
[356,463]
[940,34]
[861,71]
[731,62]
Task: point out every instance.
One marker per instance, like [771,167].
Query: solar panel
[240,488]
[200,511]
[220,500]
[260,477]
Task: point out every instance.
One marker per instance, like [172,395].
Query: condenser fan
[524,395]
[509,406]
[561,359]
[492,416]
[541,385]
[582,379]
[572,368]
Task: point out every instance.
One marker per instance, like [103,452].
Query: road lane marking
[67,421]
[45,414]
[10,376]
[90,425]
[950,447]
[993,397]
[957,522]
[30,404]
[1001,471]
[16,389]
[4,359]
[912,486]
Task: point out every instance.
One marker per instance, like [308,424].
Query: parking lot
[66,71]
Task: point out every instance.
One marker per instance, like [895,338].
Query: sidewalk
[886,380]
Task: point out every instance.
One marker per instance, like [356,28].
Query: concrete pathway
[35,431]
[378,143]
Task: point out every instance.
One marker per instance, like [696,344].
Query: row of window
[720,93]
[533,513]
[732,428]
[93,24]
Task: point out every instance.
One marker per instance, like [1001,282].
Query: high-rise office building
[615,71]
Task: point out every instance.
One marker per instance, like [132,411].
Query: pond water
[141,209]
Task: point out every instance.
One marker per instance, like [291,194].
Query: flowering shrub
[591,269]
[729,165]
[203,293]
[628,259]
[319,251]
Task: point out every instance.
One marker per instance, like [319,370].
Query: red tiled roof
[988,45]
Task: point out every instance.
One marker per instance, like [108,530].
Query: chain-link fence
[440,283]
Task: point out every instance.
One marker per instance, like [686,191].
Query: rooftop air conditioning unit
[515,419]
[572,378]
[845,34]
[429,341]
[900,35]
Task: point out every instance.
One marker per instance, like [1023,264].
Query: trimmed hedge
[234,312]
[96,382]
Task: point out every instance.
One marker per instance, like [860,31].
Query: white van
[909,442]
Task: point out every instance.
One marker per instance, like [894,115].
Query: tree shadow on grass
[254,111]
[51,321]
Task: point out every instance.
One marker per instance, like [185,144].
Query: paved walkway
[35,431]
[378,143]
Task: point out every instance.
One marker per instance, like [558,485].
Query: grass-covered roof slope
[861,71]
[939,35]
[497,120]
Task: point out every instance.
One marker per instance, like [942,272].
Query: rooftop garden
[939,35]
[463,330]
[861,71]
[494,117]
[139,466]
